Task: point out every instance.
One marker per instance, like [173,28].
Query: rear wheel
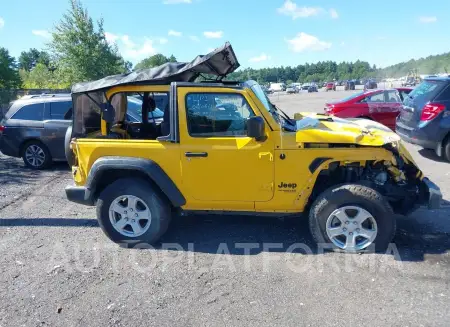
[130,211]
[35,155]
[446,148]
[352,218]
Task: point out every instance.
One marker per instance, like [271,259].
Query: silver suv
[34,128]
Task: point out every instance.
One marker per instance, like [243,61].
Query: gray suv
[34,128]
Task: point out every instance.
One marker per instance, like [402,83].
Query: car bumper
[433,193]
[7,148]
[415,136]
[79,194]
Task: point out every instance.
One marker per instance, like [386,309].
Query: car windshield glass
[135,109]
[427,90]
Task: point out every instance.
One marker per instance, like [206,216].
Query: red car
[404,91]
[382,106]
[330,87]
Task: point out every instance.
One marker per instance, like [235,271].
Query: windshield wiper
[283,114]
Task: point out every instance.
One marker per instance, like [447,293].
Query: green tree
[40,77]
[80,48]
[29,59]
[154,61]
[9,76]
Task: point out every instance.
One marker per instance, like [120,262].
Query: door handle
[196,154]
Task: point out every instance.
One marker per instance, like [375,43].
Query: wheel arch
[29,140]
[106,170]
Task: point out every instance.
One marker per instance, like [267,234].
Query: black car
[34,128]
[370,85]
[425,116]
[349,85]
[312,88]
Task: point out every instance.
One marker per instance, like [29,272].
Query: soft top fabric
[220,62]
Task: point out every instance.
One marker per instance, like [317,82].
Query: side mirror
[255,128]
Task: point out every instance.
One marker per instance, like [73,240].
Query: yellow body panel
[240,173]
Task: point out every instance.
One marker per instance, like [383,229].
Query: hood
[318,128]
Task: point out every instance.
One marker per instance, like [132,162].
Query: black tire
[30,146]
[159,208]
[446,149]
[68,152]
[352,195]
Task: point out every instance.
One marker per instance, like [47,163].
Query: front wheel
[130,211]
[352,218]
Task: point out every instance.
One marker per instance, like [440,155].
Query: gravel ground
[58,269]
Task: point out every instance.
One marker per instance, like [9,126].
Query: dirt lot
[58,269]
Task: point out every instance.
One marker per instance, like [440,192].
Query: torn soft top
[220,62]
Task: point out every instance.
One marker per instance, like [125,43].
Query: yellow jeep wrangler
[153,142]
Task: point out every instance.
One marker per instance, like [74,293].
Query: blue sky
[264,33]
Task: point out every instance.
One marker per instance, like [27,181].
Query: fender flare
[146,166]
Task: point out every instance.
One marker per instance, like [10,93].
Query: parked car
[330,86]
[306,86]
[370,85]
[34,128]
[291,89]
[425,117]
[349,85]
[313,88]
[382,106]
[404,91]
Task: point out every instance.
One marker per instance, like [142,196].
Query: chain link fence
[6,96]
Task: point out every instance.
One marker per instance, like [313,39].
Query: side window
[444,95]
[217,114]
[392,96]
[30,112]
[379,97]
[61,110]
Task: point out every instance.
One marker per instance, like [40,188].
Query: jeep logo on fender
[287,187]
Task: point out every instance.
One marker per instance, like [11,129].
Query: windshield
[286,122]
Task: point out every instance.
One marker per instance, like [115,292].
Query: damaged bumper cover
[433,194]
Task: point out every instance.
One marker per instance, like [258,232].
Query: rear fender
[145,167]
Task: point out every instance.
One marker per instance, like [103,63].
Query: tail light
[2,128]
[431,110]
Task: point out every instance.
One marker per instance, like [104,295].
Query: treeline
[321,71]
[429,65]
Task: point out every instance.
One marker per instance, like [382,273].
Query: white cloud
[174,33]
[291,9]
[175,2]
[305,42]
[2,22]
[342,43]
[163,40]
[213,35]
[111,38]
[333,13]
[42,33]
[261,57]
[428,19]
[194,38]
[132,50]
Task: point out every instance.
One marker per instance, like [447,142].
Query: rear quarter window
[33,111]
[61,110]
[444,95]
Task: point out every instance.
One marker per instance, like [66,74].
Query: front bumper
[433,193]
[79,194]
